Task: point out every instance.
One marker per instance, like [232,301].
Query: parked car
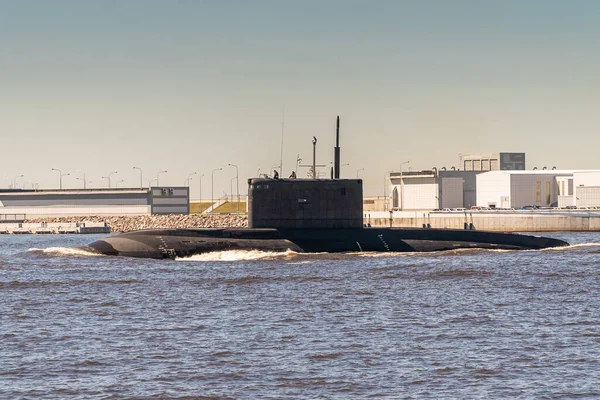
[530,207]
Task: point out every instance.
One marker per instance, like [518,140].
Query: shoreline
[120,224]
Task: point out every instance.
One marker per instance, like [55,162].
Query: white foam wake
[66,251]
[238,255]
[574,246]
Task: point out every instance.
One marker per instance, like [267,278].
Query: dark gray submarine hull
[171,243]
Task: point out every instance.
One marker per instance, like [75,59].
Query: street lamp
[402,185]
[200,189]
[140,176]
[14,181]
[157,174]
[60,175]
[84,180]
[237,182]
[358,171]
[112,173]
[212,187]
[117,185]
[231,187]
[188,178]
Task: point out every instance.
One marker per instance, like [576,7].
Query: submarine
[313,216]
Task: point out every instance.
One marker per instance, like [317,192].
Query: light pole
[358,171]
[60,175]
[117,185]
[84,180]
[200,189]
[402,185]
[189,177]
[231,187]
[112,173]
[237,182]
[14,181]
[212,188]
[157,174]
[141,186]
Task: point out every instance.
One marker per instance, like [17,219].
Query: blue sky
[188,86]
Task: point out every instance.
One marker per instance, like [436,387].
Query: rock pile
[133,223]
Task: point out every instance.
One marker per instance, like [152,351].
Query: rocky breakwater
[133,223]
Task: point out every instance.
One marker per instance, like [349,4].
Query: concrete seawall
[498,221]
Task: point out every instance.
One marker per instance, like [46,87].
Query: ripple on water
[462,324]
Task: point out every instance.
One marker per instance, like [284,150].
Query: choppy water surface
[466,324]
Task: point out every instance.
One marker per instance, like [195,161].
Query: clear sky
[186,86]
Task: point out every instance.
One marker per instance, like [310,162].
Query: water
[247,325]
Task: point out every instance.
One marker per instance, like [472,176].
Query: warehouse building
[539,188]
[453,188]
[23,203]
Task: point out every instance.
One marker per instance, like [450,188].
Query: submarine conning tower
[305,203]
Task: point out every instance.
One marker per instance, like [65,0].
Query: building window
[538,191]
[548,193]
[395,197]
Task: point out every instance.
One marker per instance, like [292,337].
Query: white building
[22,204]
[414,190]
[543,188]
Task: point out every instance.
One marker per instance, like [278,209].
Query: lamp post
[237,182]
[60,175]
[231,187]
[117,185]
[212,187]
[140,176]
[402,185]
[14,181]
[200,188]
[157,175]
[111,173]
[187,180]
[358,171]
[84,180]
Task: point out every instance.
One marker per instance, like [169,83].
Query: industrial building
[539,188]
[492,161]
[23,203]
[453,188]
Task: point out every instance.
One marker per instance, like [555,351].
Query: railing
[12,217]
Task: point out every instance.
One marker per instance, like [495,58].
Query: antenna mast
[281,159]
[336,155]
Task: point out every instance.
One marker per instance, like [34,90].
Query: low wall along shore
[510,221]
